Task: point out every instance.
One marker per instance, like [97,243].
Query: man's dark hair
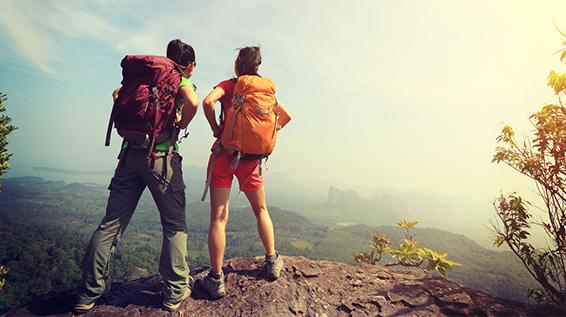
[248,61]
[180,52]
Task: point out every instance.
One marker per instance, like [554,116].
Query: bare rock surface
[305,288]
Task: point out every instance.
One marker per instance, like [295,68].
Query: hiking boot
[83,308]
[273,267]
[168,306]
[213,287]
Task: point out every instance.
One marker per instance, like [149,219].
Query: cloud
[73,19]
[33,28]
[28,40]
[36,30]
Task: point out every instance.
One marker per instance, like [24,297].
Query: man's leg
[168,191]
[125,191]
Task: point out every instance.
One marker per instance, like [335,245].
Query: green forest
[45,227]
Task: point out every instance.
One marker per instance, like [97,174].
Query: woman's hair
[248,61]
[180,52]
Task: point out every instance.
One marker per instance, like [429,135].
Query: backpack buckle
[135,137]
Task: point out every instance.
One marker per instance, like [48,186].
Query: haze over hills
[46,225]
[282,190]
[380,207]
[387,207]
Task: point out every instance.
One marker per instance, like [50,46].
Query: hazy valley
[46,225]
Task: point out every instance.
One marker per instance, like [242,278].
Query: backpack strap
[261,165]
[231,133]
[221,117]
[124,154]
[172,141]
[236,160]
[151,155]
[110,124]
[217,150]
[184,136]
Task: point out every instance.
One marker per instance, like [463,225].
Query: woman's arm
[190,106]
[284,115]
[208,107]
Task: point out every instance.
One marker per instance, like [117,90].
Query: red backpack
[144,111]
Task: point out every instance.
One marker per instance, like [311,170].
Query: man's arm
[116,92]
[210,114]
[190,106]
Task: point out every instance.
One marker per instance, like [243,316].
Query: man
[164,179]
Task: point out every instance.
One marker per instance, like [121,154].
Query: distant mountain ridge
[388,207]
[340,197]
[70,171]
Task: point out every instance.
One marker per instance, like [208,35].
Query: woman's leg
[217,232]
[264,224]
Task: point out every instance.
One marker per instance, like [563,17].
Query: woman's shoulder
[227,83]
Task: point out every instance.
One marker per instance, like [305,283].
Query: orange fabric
[250,126]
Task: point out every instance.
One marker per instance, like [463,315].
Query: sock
[271,258]
[215,276]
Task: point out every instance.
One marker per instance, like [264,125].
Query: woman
[249,178]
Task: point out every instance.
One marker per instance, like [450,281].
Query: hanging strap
[276,120]
[169,156]
[236,160]
[184,136]
[151,155]
[261,165]
[124,155]
[215,154]
[221,116]
[110,124]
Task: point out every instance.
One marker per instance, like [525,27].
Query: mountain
[343,198]
[388,207]
[305,288]
[45,226]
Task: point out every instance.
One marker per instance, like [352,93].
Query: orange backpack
[250,124]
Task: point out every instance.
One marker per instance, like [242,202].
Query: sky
[404,95]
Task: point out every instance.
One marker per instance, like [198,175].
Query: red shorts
[247,173]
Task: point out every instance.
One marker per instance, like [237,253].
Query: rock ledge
[305,288]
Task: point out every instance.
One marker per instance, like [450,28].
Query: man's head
[182,54]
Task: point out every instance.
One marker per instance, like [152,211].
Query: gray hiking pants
[130,179]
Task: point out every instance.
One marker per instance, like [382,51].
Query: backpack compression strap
[217,149]
[110,124]
[151,155]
